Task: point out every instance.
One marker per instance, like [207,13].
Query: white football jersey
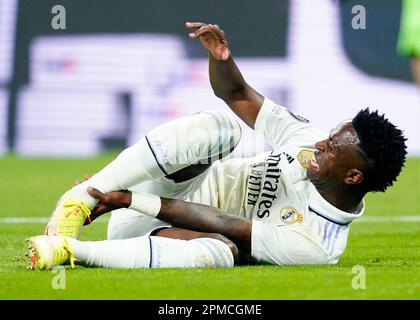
[292,222]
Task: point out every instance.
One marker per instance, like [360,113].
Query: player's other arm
[181,214]
[204,218]
[225,78]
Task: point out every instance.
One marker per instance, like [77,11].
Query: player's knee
[188,173]
[232,246]
[226,130]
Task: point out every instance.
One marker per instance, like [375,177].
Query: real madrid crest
[304,157]
[290,215]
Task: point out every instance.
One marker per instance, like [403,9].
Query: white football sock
[201,252]
[126,253]
[153,252]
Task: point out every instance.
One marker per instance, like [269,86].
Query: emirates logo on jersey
[290,215]
[270,186]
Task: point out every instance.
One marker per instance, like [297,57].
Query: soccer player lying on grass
[289,206]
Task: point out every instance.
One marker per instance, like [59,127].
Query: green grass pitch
[385,245]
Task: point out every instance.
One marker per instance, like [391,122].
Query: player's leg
[128,223]
[197,250]
[177,150]
[171,150]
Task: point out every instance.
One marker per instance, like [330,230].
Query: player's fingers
[215,31]
[89,219]
[98,210]
[77,182]
[96,194]
[87,177]
[95,213]
[198,33]
[219,33]
[194,25]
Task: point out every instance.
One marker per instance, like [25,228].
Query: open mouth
[314,164]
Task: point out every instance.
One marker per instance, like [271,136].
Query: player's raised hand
[212,38]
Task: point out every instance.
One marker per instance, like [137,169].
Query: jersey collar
[321,207]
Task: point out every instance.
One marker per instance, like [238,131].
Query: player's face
[337,160]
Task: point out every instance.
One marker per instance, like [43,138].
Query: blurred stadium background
[117,71]
[70,99]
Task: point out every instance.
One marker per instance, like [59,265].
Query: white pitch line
[376,219]
[413,218]
[23,220]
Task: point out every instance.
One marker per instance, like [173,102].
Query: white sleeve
[283,245]
[280,126]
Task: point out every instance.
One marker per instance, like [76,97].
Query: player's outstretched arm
[225,78]
[180,214]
